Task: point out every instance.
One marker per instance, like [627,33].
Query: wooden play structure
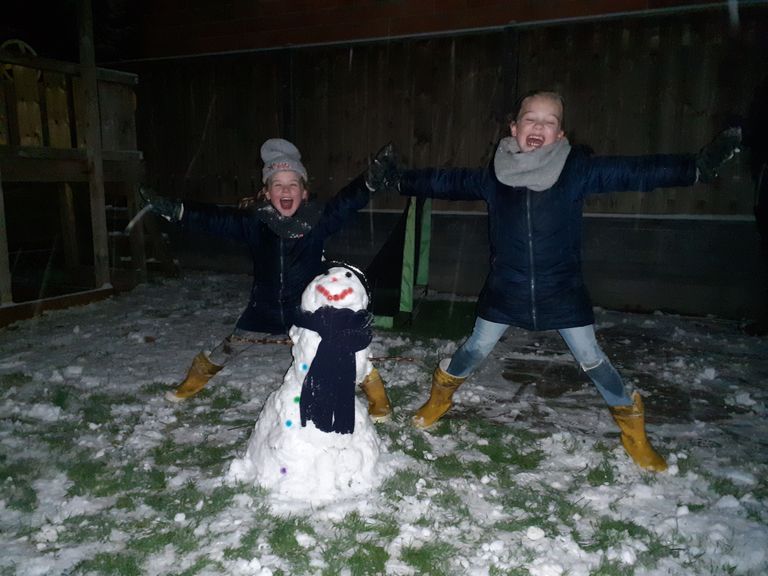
[67,133]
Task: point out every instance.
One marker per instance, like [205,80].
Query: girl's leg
[476,348]
[595,363]
[234,345]
[451,373]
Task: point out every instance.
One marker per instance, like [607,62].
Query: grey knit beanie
[279,155]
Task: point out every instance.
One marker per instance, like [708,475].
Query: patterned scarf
[294,226]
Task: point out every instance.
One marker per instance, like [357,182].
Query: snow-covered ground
[99,474]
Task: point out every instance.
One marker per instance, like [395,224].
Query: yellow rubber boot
[440,397]
[201,370]
[631,420]
[379,408]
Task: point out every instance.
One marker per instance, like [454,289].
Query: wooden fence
[633,85]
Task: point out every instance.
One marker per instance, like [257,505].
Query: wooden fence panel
[5,137]
[57,107]
[635,85]
[28,106]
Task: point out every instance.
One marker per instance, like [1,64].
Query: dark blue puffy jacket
[282,267]
[535,279]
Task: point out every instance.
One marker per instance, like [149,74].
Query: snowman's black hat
[359,273]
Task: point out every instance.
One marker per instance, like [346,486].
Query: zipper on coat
[530,257]
[282,278]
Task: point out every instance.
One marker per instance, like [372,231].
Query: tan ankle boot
[379,408]
[201,370]
[631,420]
[440,397]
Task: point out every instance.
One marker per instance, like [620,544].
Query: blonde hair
[556,96]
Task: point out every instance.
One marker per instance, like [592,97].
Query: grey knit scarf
[538,169]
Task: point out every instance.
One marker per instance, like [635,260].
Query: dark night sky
[51,27]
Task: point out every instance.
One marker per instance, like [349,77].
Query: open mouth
[286,203]
[334,297]
[534,141]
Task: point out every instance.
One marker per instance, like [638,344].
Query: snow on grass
[101,475]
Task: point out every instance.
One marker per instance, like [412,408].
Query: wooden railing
[45,107]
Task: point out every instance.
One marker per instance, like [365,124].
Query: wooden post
[93,150]
[68,226]
[6,296]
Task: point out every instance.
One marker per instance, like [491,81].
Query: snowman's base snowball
[304,463]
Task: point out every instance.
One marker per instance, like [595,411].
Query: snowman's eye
[348,274]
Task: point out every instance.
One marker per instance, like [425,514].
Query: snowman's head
[340,287]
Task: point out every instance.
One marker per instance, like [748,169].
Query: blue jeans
[581,341]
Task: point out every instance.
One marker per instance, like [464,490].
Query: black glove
[712,156]
[384,170]
[169,209]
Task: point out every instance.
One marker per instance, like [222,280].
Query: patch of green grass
[433,558]
[97,408]
[57,435]
[601,474]
[612,532]
[402,483]
[202,454]
[761,490]
[199,564]
[510,455]
[96,477]
[161,534]
[171,502]
[14,379]
[94,528]
[449,499]
[608,568]
[62,396]
[110,563]
[686,465]
[725,487]
[540,506]
[227,398]
[16,478]
[282,537]
[155,389]
[367,559]
[247,544]
[503,446]
[417,445]
[517,571]
[449,465]
[359,545]
[386,526]
[85,473]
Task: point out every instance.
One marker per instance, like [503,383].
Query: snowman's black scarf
[328,392]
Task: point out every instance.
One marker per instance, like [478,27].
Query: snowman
[314,439]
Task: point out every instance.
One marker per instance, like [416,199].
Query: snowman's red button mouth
[334,297]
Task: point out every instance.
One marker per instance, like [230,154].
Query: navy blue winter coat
[535,279]
[282,267]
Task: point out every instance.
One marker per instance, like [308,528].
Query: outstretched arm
[382,174]
[644,173]
[223,222]
[447,183]
[637,173]
[209,219]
